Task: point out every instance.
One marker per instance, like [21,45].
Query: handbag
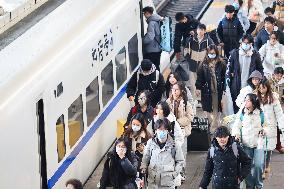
[182,69]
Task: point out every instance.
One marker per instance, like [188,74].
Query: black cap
[146,65]
[221,132]
[229,9]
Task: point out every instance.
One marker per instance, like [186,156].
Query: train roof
[25,57]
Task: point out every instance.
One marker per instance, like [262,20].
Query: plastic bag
[182,69]
[227,102]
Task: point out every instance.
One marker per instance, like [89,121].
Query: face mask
[245,46]
[211,56]
[162,135]
[136,128]
[119,149]
[236,5]
[142,101]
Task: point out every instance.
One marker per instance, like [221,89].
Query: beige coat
[184,117]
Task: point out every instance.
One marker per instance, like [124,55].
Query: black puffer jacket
[203,83]
[230,32]
[182,31]
[154,82]
[225,167]
[119,173]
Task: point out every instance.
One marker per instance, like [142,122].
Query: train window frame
[93,87]
[75,131]
[121,67]
[133,46]
[106,96]
[63,139]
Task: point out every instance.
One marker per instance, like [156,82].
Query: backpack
[156,78]
[234,148]
[166,34]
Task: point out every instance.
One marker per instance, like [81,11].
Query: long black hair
[165,107]
[168,85]
[255,102]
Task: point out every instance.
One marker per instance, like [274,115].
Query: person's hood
[153,69]
[256,74]
[155,18]
[216,144]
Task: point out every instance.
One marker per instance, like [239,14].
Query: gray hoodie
[151,40]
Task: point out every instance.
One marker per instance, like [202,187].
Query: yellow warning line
[219,4]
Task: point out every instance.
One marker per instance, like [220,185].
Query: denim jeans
[254,179]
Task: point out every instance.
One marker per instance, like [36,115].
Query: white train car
[62,89]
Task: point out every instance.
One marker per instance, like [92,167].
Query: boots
[278,145]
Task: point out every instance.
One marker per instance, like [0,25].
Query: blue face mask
[211,56]
[236,5]
[245,46]
[162,135]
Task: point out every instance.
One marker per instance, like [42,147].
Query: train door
[41,141]
[142,22]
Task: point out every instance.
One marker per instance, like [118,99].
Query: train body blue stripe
[67,162]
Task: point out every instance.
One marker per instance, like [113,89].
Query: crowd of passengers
[246,55]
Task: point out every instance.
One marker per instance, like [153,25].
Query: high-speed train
[62,90]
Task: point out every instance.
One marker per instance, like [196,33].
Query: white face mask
[162,135]
[246,47]
[136,128]
[119,149]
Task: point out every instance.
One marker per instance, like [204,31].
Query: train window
[92,99]
[75,121]
[133,53]
[121,70]
[107,83]
[60,130]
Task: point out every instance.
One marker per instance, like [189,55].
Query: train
[62,90]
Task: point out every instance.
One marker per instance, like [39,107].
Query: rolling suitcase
[199,140]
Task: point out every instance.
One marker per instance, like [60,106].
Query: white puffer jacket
[274,115]
[243,93]
[256,8]
[249,127]
[164,165]
[270,62]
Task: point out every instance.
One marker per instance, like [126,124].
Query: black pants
[155,57]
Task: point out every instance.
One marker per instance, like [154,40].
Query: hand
[197,92]
[131,98]
[178,55]
[239,181]
[238,138]
[121,153]
[191,32]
